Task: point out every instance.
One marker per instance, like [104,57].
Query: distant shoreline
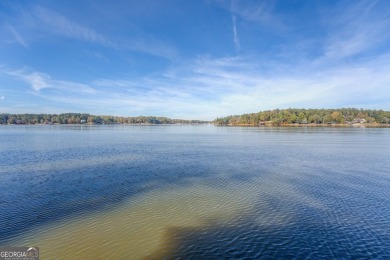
[266,125]
[111,124]
[297,117]
[292,117]
[84,119]
[270,124]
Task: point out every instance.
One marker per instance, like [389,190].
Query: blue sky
[193,59]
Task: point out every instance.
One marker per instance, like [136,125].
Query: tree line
[273,117]
[308,116]
[82,118]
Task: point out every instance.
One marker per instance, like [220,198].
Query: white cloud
[61,25]
[236,40]
[17,36]
[39,81]
[355,28]
[149,45]
[38,21]
[260,12]
[208,88]
[2,97]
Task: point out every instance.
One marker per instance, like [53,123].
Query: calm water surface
[195,192]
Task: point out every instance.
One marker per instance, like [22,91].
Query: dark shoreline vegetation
[79,118]
[310,117]
[277,117]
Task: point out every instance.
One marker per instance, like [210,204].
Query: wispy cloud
[61,25]
[355,28]
[260,12]
[235,85]
[39,81]
[2,97]
[17,36]
[36,80]
[236,40]
[38,22]
[341,65]
[149,45]
[207,88]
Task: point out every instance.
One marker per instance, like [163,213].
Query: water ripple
[182,193]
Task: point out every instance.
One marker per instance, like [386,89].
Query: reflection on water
[197,192]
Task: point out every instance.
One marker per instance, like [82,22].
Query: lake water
[195,192]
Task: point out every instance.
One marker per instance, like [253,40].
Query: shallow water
[191,192]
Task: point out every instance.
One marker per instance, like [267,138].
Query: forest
[80,118]
[276,117]
[308,116]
